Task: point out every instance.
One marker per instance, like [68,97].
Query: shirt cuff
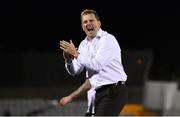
[81,59]
[69,61]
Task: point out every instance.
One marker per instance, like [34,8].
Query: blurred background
[32,73]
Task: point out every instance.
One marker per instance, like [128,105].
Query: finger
[65,50]
[72,43]
[65,42]
[63,103]
[63,45]
[60,102]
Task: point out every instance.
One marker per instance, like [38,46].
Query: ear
[82,27]
[99,23]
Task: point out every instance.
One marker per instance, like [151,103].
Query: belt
[109,85]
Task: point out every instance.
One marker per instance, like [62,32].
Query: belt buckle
[120,82]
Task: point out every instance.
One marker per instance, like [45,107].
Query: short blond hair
[89,11]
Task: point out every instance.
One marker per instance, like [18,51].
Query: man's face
[90,25]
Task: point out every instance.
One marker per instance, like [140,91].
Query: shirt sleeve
[102,57]
[73,66]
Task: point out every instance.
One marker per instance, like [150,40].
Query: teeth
[90,30]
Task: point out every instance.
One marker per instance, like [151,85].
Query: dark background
[36,27]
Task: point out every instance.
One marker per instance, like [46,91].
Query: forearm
[81,90]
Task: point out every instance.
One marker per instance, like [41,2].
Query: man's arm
[67,57]
[103,56]
[81,90]
[72,66]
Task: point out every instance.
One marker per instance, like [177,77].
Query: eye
[91,20]
[85,22]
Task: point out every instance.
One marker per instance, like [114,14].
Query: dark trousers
[110,100]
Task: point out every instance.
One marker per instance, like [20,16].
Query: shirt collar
[98,35]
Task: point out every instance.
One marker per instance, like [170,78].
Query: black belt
[109,85]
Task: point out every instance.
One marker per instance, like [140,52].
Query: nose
[88,22]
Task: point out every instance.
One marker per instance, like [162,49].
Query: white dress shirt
[101,57]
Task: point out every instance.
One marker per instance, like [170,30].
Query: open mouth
[90,29]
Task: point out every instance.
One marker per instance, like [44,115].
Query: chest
[90,50]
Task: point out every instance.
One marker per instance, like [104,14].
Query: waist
[109,85]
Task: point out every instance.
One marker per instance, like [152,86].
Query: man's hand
[65,100]
[69,48]
[67,56]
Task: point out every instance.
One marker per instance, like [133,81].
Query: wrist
[72,96]
[76,55]
[69,60]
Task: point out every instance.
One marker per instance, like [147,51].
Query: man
[100,54]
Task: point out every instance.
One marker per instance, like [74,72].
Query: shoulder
[109,40]
[108,37]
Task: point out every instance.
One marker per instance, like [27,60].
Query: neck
[90,38]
